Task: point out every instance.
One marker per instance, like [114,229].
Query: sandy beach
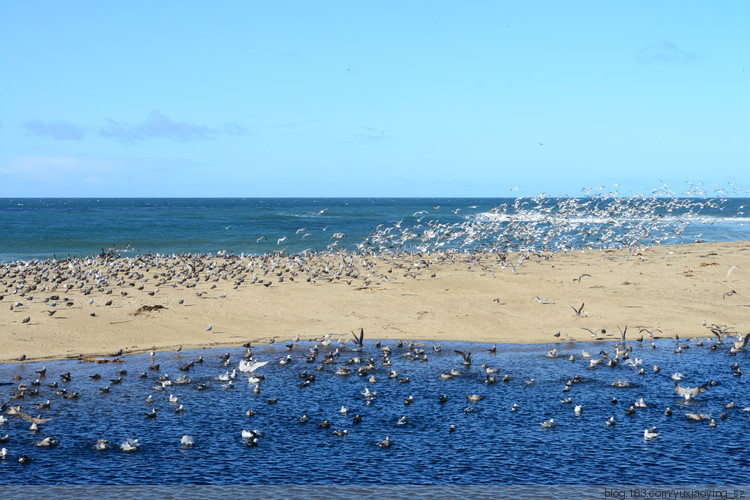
[102,305]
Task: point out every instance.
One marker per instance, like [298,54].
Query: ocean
[58,227]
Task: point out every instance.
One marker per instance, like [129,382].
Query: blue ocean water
[492,444]
[45,228]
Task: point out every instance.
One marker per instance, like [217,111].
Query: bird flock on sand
[501,239]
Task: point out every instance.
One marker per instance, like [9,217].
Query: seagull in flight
[592,332]
[688,392]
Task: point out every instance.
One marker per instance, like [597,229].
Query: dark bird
[359,340]
[466,356]
[579,310]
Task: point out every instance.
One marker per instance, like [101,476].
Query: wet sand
[679,290]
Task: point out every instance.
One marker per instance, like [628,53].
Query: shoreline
[491,298]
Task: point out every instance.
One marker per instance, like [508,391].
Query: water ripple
[491,443]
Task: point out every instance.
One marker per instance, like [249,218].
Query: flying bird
[359,339]
[688,392]
[466,356]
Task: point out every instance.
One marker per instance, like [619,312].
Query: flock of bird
[529,226]
[403,250]
[542,223]
[334,357]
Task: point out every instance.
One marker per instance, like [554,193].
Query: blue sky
[418,98]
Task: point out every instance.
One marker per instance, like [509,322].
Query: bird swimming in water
[47,442]
[130,445]
[369,394]
[548,424]
[697,416]
[250,438]
[650,433]
[186,441]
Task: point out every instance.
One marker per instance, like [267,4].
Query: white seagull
[688,392]
[248,367]
[548,424]
[130,445]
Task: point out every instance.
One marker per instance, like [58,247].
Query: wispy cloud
[665,52]
[62,131]
[160,126]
